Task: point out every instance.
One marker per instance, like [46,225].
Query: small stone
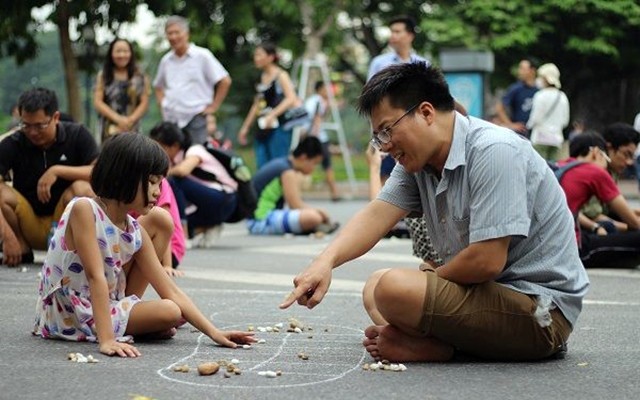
[365,367]
[278,373]
[278,325]
[234,361]
[250,328]
[246,346]
[303,356]
[181,368]
[374,367]
[227,375]
[261,341]
[237,371]
[297,330]
[208,368]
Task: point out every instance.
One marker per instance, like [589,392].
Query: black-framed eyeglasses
[37,126]
[383,136]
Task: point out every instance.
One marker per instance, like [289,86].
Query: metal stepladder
[305,65]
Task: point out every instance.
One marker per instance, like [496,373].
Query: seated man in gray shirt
[512,284]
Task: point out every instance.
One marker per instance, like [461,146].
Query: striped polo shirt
[495,185]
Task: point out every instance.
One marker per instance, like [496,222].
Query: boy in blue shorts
[280,207]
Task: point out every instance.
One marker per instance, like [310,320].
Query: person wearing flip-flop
[278,184]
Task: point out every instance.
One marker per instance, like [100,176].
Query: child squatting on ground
[93,279]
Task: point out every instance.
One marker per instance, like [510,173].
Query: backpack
[560,170]
[238,170]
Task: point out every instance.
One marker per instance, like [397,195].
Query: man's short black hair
[126,161]
[36,99]
[168,134]
[533,62]
[409,22]
[309,146]
[581,144]
[319,85]
[406,85]
[620,134]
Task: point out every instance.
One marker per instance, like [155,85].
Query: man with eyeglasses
[48,162]
[621,141]
[601,245]
[511,285]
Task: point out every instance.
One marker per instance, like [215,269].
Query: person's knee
[169,312]
[369,287]
[157,220]
[391,291]
[7,197]
[310,219]
[78,189]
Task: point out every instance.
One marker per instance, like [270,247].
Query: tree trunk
[70,64]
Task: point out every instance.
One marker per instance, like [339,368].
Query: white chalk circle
[333,351]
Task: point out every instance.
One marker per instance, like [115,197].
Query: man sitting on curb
[49,163]
[278,184]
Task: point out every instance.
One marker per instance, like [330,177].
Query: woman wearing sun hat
[549,113]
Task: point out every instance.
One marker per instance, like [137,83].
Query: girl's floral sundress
[64,310]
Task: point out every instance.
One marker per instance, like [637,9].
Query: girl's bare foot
[389,343]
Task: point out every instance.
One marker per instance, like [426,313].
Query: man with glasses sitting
[621,143]
[48,162]
[511,285]
[601,244]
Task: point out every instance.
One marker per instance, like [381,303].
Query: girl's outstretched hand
[112,348]
[233,338]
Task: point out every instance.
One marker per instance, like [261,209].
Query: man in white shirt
[403,33]
[190,82]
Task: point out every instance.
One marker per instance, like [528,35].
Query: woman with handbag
[275,96]
[549,114]
[121,96]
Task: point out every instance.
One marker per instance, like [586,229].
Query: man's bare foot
[389,343]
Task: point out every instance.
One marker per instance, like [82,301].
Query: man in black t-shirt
[49,162]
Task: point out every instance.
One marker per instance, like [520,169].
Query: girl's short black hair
[126,161]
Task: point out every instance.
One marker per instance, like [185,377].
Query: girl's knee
[157,220]
[170,312]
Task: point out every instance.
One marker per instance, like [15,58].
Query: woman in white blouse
[549,114]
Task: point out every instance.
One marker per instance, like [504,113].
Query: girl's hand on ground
[112,348]
[233,338]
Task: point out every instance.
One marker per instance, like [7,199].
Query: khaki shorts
[489,320]
[35,229]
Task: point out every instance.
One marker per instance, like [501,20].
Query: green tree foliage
[18,29]
[593,42]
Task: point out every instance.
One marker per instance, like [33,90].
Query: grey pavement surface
[241,281]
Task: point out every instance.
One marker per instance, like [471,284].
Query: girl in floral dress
[100,260]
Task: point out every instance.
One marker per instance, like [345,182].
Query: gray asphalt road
[240,283]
